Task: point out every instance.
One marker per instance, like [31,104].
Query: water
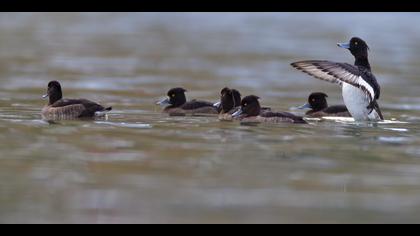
[140,166]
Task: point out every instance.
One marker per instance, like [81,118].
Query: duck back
[279,117]
[332,111]
[193,107]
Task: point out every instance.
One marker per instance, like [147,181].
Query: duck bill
[45,96]
[238,113]
[306,106]
[344,45]
[164,102]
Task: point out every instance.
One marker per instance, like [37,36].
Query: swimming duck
[359,86]
[318,104]
[230,99]
[230,102]
[251,112]
[59,108]
[177,105]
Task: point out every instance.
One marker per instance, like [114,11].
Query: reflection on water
[141,166]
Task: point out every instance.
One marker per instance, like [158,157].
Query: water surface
[140,166]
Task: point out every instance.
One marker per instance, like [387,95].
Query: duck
[360,89]
[250,112]
[60,108]
[177,105]
[318,104]
[230,101]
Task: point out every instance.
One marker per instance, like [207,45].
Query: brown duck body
[251,112]
[62,109]
[73,109]
[228,116]
[177,104]
[274,117]
[318,104]
[193,107]
[332,111]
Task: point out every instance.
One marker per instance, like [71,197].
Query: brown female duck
[59,108]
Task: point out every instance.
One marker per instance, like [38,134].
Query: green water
[141,166]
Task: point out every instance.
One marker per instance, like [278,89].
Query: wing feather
[337,73]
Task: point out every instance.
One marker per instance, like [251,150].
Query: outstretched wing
[338,73]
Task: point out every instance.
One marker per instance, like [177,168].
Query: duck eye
[355,43]
[173,95]
[245,104]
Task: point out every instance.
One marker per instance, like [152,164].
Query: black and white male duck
[318,105]
[177,105]
[360,88]
[59,108]
[251,112]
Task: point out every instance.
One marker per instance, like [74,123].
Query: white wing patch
[313,70]
[363,85]
[337,73]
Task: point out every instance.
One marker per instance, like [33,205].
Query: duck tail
[103,112]
[378,110]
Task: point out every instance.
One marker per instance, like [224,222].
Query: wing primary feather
[338,73]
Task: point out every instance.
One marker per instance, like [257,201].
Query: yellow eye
[355,43]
